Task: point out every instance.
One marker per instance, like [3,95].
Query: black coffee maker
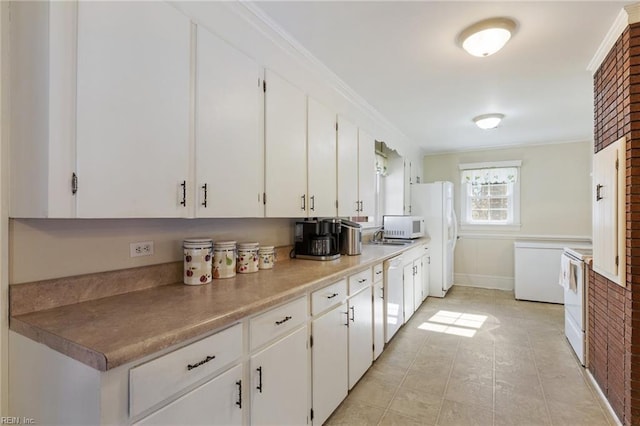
[317,239]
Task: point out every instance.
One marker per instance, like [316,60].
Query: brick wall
[614,311]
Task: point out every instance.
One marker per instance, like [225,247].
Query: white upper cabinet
[42,109]
[366,173]
[321,159]
[133,110]
[285,148]
[348,202]
[609,219]
[229,153]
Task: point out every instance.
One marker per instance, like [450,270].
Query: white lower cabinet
[426,262]
[217,402]
[378,311]
[408,274]
[414,282]
[360,335]
[280,382]
[329,362]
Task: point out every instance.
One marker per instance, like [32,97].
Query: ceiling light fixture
[488,121]
[486,37]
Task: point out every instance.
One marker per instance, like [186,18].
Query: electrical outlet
[143,248]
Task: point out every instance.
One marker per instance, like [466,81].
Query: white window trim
[511,226]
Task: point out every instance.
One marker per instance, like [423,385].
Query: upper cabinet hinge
[336,126]
[311,341]
[336,204]
[264,198]
[264,86]
[617,260]
[312,414]
[617,164]
[74,183]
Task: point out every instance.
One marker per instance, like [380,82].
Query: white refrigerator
[434,201]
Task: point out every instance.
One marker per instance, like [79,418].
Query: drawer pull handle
[259,387]
[282,321]
[198,364]
[332,296]
[353,313]
[362,280]
[347,314]
[239,401]
[598,196]
[378,272]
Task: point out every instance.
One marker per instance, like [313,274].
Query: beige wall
[53,248]
[555,203]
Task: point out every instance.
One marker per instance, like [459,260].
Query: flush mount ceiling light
[488,121]
[486,37]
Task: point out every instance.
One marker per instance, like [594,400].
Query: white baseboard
[484,281]
[604,398]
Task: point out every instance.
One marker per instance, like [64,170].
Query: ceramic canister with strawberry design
[247,258]
[224,259]
[198,254]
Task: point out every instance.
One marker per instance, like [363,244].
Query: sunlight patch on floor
[456,323]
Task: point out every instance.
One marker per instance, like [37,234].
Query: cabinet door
[133,109]
[280,382]
[347,168]
[321,160]
[378,319]
[360,335]
[229,154]
[329,362]
[407,187]
[366,174]
[417,284]
[408,292]
[426,262]
[609,236]
[285,148]
[217,402]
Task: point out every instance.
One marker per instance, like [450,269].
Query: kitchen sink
[390,243]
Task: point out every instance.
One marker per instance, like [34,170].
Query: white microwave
[403,227]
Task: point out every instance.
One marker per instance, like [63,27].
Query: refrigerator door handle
[455,228]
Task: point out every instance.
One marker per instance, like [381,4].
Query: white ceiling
[403,59]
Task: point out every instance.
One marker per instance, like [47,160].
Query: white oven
[574,278]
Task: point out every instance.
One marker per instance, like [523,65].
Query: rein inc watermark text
[17,421]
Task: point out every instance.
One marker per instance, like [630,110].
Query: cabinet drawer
[277,321]
[328,296]
[359,281]
[156,380]
[377,273]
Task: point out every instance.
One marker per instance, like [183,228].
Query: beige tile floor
[476,357]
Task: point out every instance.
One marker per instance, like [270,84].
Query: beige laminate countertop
[113,331]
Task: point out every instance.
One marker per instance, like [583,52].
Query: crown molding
[621,22]
[633,11]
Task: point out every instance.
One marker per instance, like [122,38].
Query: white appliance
[537,267]
[434,201]
[393,295]
[403,227]
[575,300]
